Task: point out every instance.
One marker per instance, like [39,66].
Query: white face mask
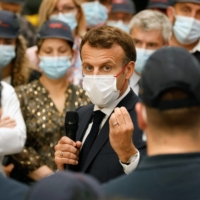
[186,29]
[55,67]
[7,54]
[102,89]
[95,13]
[119,24]
[68,18]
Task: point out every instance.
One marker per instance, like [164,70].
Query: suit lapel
[83,125]
[128,102]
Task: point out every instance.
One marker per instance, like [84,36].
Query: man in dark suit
[170,116]
[108,56]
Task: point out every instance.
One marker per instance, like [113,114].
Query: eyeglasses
[65,9]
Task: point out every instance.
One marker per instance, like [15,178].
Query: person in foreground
[170,116]
[66,186]
[108,56]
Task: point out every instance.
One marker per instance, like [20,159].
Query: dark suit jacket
[10,189]
[197,55]
[162,177]
[102,162]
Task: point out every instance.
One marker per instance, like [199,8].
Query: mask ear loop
[123,69]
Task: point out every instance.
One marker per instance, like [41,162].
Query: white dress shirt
[11,140]
[134,160]
[196,48]
[134,83]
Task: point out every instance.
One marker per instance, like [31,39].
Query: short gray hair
[152,20]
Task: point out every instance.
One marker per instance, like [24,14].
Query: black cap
[126,6]
[160,4]
[167,69]
[19,2]
[9,25]
[55,29]
[188,1]
[66,185]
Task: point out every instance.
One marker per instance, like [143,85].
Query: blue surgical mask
[68,18]
[142,57]
[96,14]
[119,24]
[55,67]
[7,53]
[186,29]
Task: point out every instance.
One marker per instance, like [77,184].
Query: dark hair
[183,118]
[107,36]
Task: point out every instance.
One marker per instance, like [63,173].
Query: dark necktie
[97,119]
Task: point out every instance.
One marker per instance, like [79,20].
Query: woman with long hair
[14,63]
[70,12]
[44,102]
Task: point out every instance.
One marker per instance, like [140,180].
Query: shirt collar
[196,48]
[134,79]
[108,110]
[166,160]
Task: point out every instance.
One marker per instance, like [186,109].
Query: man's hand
[67,152]
[7,122]
[121,131]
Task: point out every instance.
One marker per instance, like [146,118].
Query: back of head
[66,185]
[169,88]
[149,20]
[107,36]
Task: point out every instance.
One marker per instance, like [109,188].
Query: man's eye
[185,10]
[88,68]
[107,68]
[152,45]
[136,41]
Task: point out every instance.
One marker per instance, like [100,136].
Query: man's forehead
[140,32]
[114,52]
[87,48]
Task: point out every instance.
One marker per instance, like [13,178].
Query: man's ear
[141,116]
[130,69]
[171,14]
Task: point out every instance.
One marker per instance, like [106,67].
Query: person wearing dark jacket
[108,56]
[169,114]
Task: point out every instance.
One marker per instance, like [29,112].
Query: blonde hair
[21,64]
[47,8]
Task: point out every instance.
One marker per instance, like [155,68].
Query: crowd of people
[132,79]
